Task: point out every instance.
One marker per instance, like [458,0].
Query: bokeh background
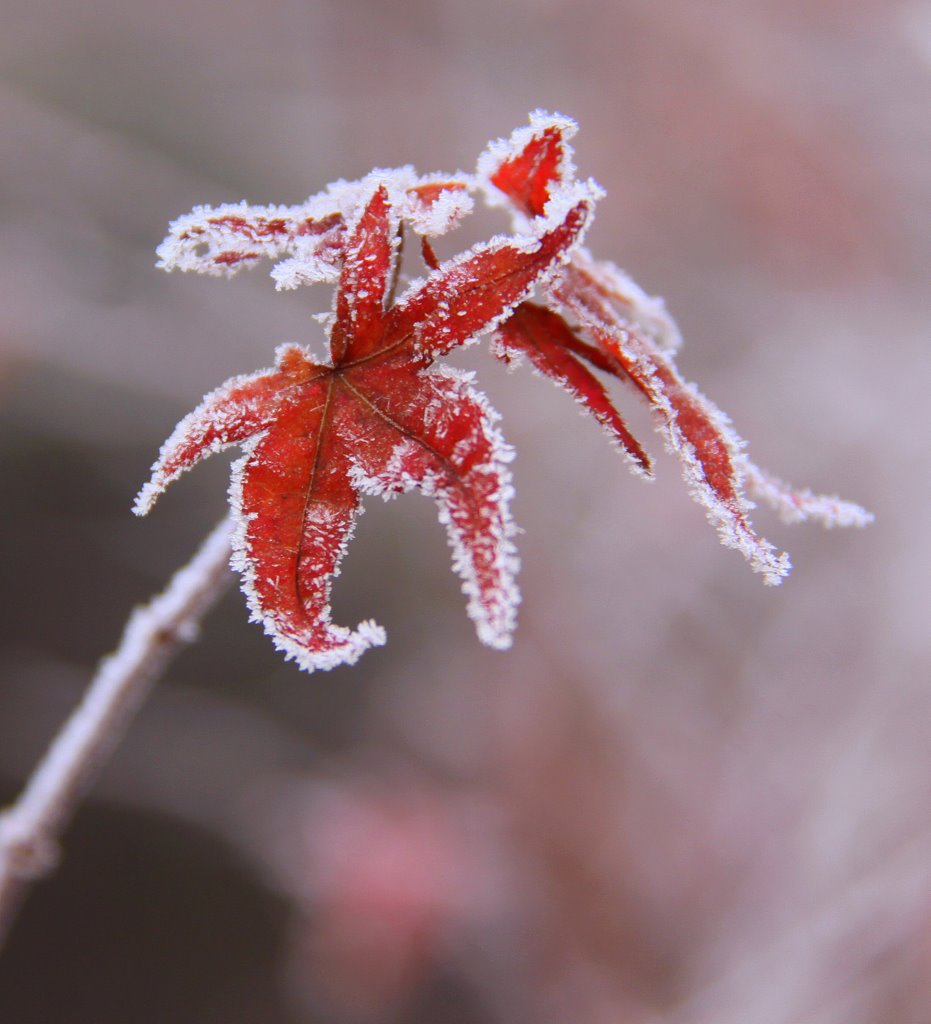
[682,798]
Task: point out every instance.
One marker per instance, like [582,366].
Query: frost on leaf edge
[352,643]
[494,632]
[644,312]
[307,261]
[159,480]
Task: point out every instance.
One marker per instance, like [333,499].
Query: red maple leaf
[621,331]
[224,239]
[378,418]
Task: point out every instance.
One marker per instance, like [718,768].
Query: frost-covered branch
[155,632]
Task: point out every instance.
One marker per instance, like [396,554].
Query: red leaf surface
[528,177]
[554,349]
[624,332]
[377,419]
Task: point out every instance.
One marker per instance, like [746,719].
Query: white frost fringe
[798,505]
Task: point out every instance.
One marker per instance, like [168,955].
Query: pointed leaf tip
[533,165]
[552,347]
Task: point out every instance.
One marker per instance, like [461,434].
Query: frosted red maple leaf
[380,417]
[595,313]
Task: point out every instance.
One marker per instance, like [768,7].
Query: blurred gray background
[682,798]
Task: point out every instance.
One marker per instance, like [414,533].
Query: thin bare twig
[155,632]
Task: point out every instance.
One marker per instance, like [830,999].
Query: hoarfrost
[798,505]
